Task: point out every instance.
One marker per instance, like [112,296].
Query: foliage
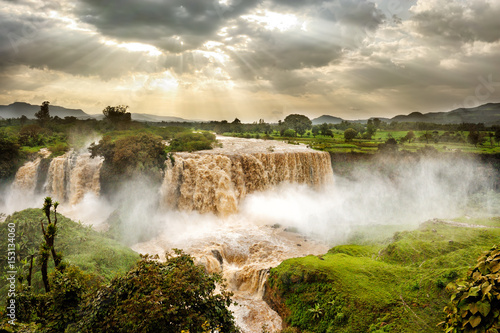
[299,123]
[192,141]
[142,154]
[350,134]
[475,303]
[116,114]
[43,116]
[376,285]
[82,246]
[160,297]
[9,155]
[289,133]
[55,310]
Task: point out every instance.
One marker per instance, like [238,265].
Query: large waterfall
[214,182]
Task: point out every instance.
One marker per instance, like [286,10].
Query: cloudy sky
[251,59]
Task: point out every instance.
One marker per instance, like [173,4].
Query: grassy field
[337,144]
[392,285]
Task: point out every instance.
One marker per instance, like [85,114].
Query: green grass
[390,285]
[80,245]
[337,144]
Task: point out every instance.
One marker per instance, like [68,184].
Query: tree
[23,119]
[315,130]
[497,133]
[370,129]
[43,115]
[47,247]
[350,134]
[325,130]
[475,138]
[289,133]
[117,113]
[475,302]
[298,122]
[135,155]
[171,296]
[410,136]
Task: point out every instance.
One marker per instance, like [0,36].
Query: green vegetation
[154,296]
[82,246]
[396,285]
[123,139]
[97,288]
[131,156]
[475,304]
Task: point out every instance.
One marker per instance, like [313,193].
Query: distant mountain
[327,119]
[17,109]
[489,114]
[155,118]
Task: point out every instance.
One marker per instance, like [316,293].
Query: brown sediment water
[243,252]
[217,180]
[241,249]
[69,177]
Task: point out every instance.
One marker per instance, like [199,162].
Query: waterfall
[27,176]
[68,177]
[208,182]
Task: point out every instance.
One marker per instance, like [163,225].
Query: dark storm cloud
[460,23]
[39,42]
[164,24]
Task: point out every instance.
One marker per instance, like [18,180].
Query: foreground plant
[475,304]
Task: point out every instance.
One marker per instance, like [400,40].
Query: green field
[338,144]
[392,285]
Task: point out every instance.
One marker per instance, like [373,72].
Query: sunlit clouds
[250,59]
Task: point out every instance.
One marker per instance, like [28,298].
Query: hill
[327,119]
[18,109]
[489,114]
[81,246]
[395,285]
[145,117]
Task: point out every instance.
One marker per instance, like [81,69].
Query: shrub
[475,303]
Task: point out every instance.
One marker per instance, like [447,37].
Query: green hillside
[398,285]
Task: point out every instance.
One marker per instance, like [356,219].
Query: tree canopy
[298,122]
[43,115]
[117,113]
[171,296]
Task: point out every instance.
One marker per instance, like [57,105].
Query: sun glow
[273,21]
[136,47]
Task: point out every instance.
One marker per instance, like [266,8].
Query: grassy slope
[80,245]
[392,286]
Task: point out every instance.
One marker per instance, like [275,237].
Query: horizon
[252,60]
[94,115]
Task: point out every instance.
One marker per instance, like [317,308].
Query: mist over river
[243,208]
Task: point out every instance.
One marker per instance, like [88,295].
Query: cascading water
[242,250]
[210,185]
[217,180]
[68,178]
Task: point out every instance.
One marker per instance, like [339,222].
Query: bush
[154,296]
[289,133]
[475,303]
[192,141]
